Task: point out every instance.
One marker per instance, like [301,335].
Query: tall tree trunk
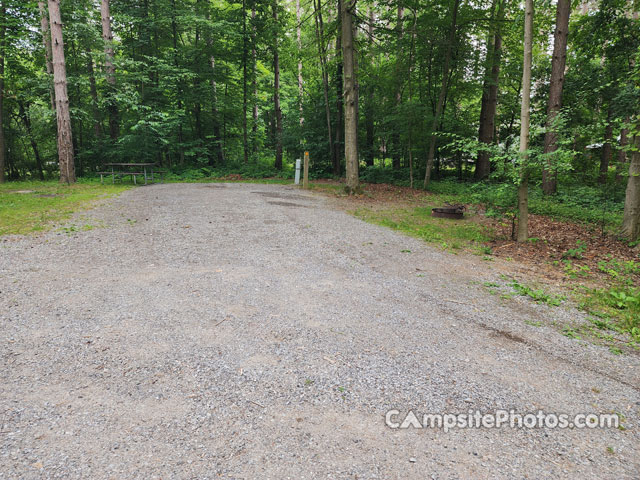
[558,62]
[369,124]
[605,154]
[276,91]
[490,92]
[523,188]
[174,31]
[65,139]
[325,75]
[34,146]
[340,116]
[3,51]
[46,41]
[107,36]
[245,141]
[631,219]
[254,83]
[350,97]
[443,92]
[299,39]
[396,152]
[93,90]
[412,51]
[218,148]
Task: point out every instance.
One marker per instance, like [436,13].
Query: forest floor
[259,331]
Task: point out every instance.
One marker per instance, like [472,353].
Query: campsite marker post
[305,181]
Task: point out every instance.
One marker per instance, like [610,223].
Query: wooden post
[305,178]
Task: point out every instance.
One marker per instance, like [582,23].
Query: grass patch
[41,205]
[537,294]
[418,222]
[615,308]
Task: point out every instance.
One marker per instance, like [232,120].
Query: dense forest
[528,95]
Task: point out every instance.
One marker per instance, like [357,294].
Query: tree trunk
[350,97]
[523,188]
[110,68]
[3,51]
[605,154]
[631,219]
[27,125]
[46,41]
[396,152]
[558,62]
[369,124]
[254,83]
[299,39]
[325,75]
[245,141]
[93,90]
[443,93]
[65,139]
[218,148]
[276,91]
[217,139]
[490,94]
[337,158]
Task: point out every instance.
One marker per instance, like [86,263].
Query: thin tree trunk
[34,146]
[3,51]
[174,31]
[93,90]
[245,141]
[325,75]
[490,94]
[276,91]
[350,97]
[369,124]
[523,188]
[605,155]
[396,153]
[340,116]
[218,146]
[443,92]
[631,219]
[254,83]
[558,62]
[46,41]
[107,36]
[299,38]
[219,150]
[65,139]
[410,120]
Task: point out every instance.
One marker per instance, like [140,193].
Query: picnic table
[126,169]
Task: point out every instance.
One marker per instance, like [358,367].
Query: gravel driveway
[255,331]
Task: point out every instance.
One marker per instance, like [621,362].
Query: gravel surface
[258,332]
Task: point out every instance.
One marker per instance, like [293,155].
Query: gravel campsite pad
[256,331]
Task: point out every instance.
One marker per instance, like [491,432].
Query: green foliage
[538,295]
[577,252]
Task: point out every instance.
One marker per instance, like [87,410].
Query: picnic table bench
[126,169]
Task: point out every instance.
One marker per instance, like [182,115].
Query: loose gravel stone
[256,331]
